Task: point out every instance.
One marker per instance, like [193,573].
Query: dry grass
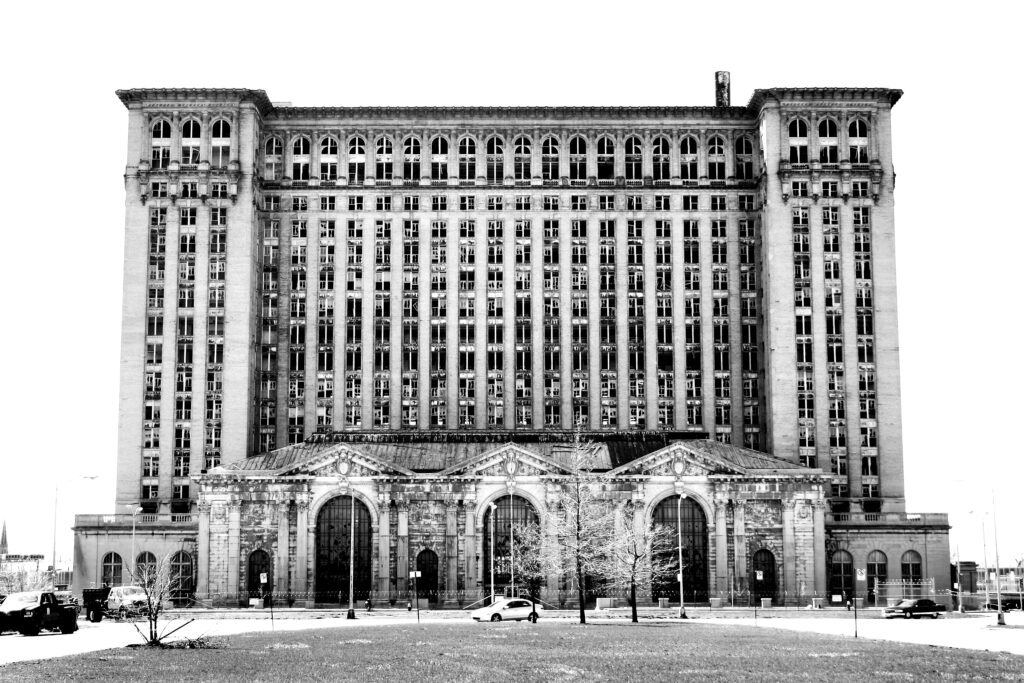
[525,652]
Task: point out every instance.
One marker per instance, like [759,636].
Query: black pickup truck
[914,609]
[33,611]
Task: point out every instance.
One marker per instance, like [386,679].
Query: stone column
[281,579]
[739,544]
[299,581]
[234,522]
[384,551]
[819,548]
[553,511]
[203,580]
[788,550]
[402,554]
[721,548]
[451,547]
[469,525]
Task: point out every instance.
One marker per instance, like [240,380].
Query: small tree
[578,535]
[159,582]
[528,549]
[637,553]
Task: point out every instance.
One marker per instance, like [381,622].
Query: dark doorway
[259,563]
[510,511]
[333,534]
[426,584]
[762,580]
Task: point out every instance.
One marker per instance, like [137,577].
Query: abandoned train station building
[394,324]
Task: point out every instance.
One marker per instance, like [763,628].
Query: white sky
[956,153]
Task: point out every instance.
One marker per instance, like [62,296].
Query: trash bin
[766,603]
[818,602]
[716,602]
[663,603]
[859,602]
[256,603]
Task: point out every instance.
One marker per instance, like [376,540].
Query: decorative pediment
[677,461]
[509,461]
[343,461]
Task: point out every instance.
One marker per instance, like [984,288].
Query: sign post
[416,594]
[862,577]
[263,595]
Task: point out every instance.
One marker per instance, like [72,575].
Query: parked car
[1009,602]
[66,598]
[508,609]
[912,609]
[126,601]
[33,611]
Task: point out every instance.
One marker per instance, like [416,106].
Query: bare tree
[159,582]
[17,580]
[637,553]
[578,535]
[528,551]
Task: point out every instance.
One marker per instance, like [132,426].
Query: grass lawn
[525,652]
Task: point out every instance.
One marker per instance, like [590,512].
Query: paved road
[976,632]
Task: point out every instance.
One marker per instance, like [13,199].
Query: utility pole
[1000,619]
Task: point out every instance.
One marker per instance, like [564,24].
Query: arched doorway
[841,575]
[259,563]
[426,584]
[510,511]
[878,573]
[334,525]
[183,575]
[762,579]
[686,518]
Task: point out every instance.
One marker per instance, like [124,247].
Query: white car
[508,609]
[125,601]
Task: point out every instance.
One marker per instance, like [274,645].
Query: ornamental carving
[763,513]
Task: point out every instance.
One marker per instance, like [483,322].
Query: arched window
[220,144]
[662,158]
[511,511]
[112,570]
[549,159]
[634,159]
[145,568]
[334,526]
[762,581]
[828,142]
[523,162]
[840,580]
[716,158]
[183,583]
[328,158]
[356,160]
[191,132]
[411,158]
[383,159]
[300,158]
[439,158]
[910,566]
[858,142]
[744,158]
[878,572]
[161,145]
[688,160]
[605,158]
[495,160]
[259,563]
[577,158]
[798,141]
[273,149]
[467,159]
[685,517]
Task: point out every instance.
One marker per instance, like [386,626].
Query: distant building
[418,307]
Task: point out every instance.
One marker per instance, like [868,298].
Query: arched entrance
[762,579]
[334,524]
[688,519]
[259,563]
[840,580]
[426,584]
[510,511]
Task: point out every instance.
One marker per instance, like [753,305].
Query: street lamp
[352,559]
[134,565]
[1000,619]
[494,509]
[679,525]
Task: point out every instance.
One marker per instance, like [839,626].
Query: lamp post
[352,559]
[679,526]
[494,509]
[511,547]
[134,564]
[1000,619]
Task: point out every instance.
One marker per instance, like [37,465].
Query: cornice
[826,94]
[505,115]
[139,96]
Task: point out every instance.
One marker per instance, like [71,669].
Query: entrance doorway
[426,585]
[762,582]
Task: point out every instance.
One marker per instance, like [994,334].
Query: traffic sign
[263,577]
[760,574]
[862,575]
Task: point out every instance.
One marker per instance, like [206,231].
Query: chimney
[722,98]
